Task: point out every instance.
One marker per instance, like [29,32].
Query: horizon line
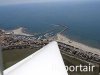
[18,3]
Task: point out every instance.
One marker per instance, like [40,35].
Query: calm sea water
[83,19]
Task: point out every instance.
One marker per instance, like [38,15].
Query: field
[10,57]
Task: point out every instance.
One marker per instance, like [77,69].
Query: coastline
[66,40]
[60,38]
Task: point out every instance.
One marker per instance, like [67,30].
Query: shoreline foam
[62,38]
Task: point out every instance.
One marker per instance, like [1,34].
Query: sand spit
[18,31]
[64,39]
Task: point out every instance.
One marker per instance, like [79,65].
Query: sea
[81,18]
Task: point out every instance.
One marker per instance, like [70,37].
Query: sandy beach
[18,31]
[81,46]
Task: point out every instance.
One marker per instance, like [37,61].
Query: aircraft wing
[46,61]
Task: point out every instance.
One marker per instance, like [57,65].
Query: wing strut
[1,63]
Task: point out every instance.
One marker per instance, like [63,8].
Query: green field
[10,57]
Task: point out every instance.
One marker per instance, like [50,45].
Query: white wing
[46,61]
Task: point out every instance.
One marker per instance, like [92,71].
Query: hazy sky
[6,2]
